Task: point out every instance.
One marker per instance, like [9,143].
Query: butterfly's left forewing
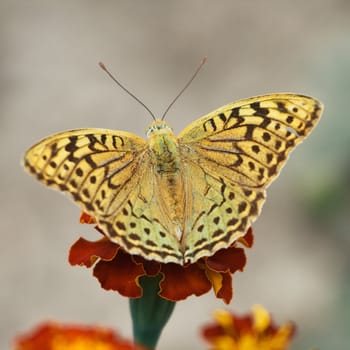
[249,140]
[236,151]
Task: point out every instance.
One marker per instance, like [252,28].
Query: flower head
[56,336]
[119,271]
[249,332]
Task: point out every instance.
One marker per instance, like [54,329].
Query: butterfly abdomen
[167,168]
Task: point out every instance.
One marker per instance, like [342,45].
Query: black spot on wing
[72,145]
[260,111]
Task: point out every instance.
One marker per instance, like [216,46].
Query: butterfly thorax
[166,163]
[163,147]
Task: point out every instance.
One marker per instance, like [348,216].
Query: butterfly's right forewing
[95,166]
[108,173]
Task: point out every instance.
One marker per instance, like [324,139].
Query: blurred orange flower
[56,336]
[119,271]
[255,331]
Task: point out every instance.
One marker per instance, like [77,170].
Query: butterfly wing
[108,173]
[235,152]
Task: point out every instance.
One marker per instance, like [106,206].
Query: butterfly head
[158,127]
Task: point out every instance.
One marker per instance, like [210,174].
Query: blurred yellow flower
[254,331]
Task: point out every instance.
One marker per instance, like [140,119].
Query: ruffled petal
[179,282]
[86,218]
[121,275]
[248,239]
[227,260]
[151,267]
[85,253]
[261,317]
[226,290]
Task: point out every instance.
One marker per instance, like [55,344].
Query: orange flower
[255,331]
[117,270]
[55,336]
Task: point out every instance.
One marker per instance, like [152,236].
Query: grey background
[50,81]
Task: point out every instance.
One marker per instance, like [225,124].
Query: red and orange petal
[179,282]
[248,332]
[119,271]
[56,336]
[86,219]
[86,253]
[248,239]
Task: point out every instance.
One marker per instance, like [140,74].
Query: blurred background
[50,81]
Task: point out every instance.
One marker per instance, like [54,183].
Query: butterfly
[178,198]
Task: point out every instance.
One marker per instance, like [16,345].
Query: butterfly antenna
[125,89]
[185,87]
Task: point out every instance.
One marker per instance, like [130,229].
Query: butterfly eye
[150,131]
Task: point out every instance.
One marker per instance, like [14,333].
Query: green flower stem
[150,313]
